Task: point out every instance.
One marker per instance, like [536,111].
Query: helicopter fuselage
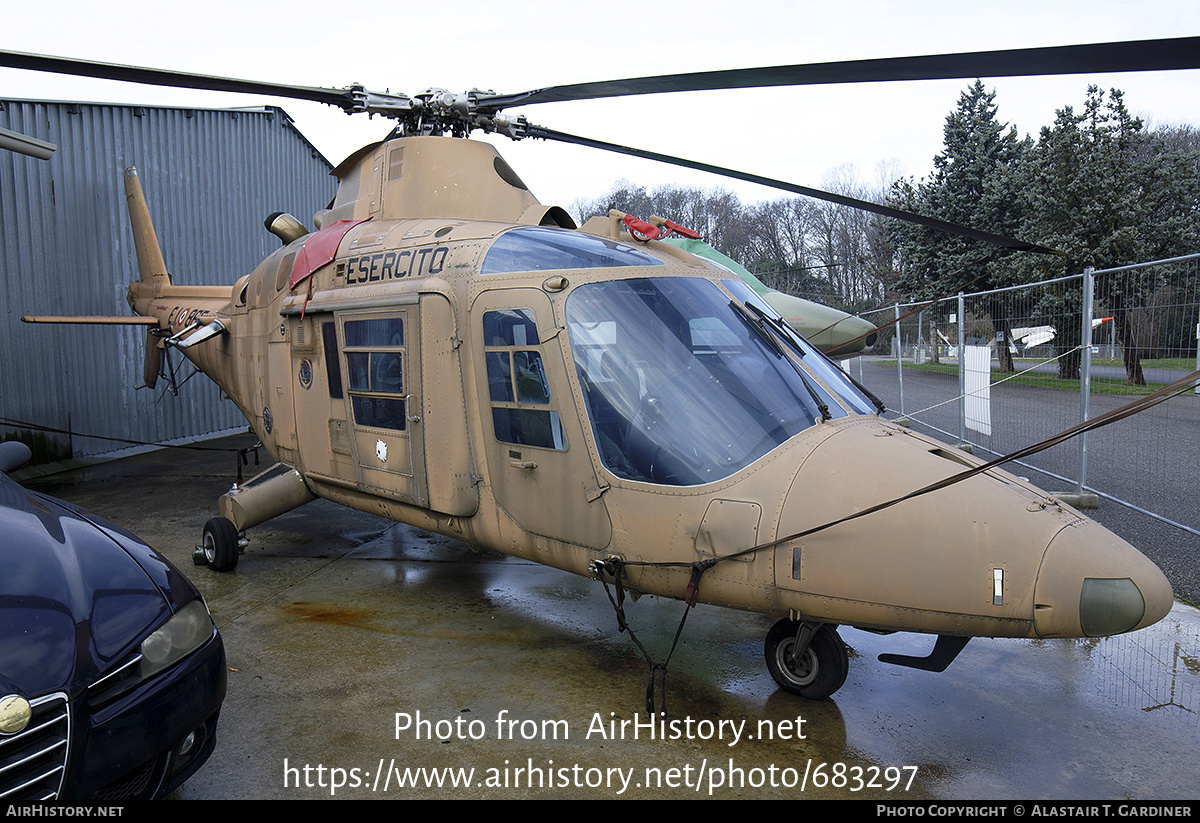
[613,406]
[573,396]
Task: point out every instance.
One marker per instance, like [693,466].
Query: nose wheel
[220,548]
[808,659]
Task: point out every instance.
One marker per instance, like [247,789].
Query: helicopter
[446,351]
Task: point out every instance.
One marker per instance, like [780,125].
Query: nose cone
[1092,583]
[857,333]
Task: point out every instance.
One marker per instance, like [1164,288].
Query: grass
[1184,364]
[1040,380]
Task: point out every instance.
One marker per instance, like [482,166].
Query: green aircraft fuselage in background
[833,331]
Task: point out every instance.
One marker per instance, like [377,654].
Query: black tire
[821,671]
[220,545]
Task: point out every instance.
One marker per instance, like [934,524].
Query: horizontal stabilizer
[90,320]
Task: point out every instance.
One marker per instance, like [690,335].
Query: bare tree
[795,245]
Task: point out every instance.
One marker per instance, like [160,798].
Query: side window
[375,354]
[332,371]
[517,386]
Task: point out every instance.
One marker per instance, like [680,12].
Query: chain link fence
[1000,370]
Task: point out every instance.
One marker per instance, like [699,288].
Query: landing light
[1110,606]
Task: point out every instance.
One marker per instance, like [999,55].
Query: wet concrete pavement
[364,653]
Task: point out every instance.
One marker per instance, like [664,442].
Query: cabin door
[381,382]
[537,458]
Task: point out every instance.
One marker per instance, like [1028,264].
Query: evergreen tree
[1106,192]
[973,184]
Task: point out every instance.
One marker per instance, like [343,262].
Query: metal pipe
[1085,372]
[962,374]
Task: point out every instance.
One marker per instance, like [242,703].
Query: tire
[220,545]
[821,671]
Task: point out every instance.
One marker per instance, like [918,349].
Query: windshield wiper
[870,394]
[756,320]
[787,333]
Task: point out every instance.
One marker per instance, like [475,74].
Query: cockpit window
[517,384]
[826,369]
[681,387]
[543,249]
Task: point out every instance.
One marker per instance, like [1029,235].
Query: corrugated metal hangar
[210,177]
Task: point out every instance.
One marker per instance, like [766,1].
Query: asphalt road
[1151,460]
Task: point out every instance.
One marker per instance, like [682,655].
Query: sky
[807,135]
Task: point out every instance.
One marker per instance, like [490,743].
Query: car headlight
[187,631]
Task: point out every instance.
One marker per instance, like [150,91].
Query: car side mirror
[13,455]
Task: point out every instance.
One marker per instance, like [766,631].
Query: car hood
[77,594]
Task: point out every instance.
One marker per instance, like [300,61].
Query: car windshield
[684,385]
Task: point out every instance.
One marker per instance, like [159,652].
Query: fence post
[962,375]
[1085,372]
[899,358]
[919,351]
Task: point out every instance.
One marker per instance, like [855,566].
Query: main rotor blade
[865,205]
[162,77]
[1137,55]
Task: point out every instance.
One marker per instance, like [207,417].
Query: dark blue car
[112,672]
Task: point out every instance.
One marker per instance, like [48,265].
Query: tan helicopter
[446,351]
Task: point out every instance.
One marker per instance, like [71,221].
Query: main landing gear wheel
[220,545]
[818,672]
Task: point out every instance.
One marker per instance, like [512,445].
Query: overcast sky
[802,135]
